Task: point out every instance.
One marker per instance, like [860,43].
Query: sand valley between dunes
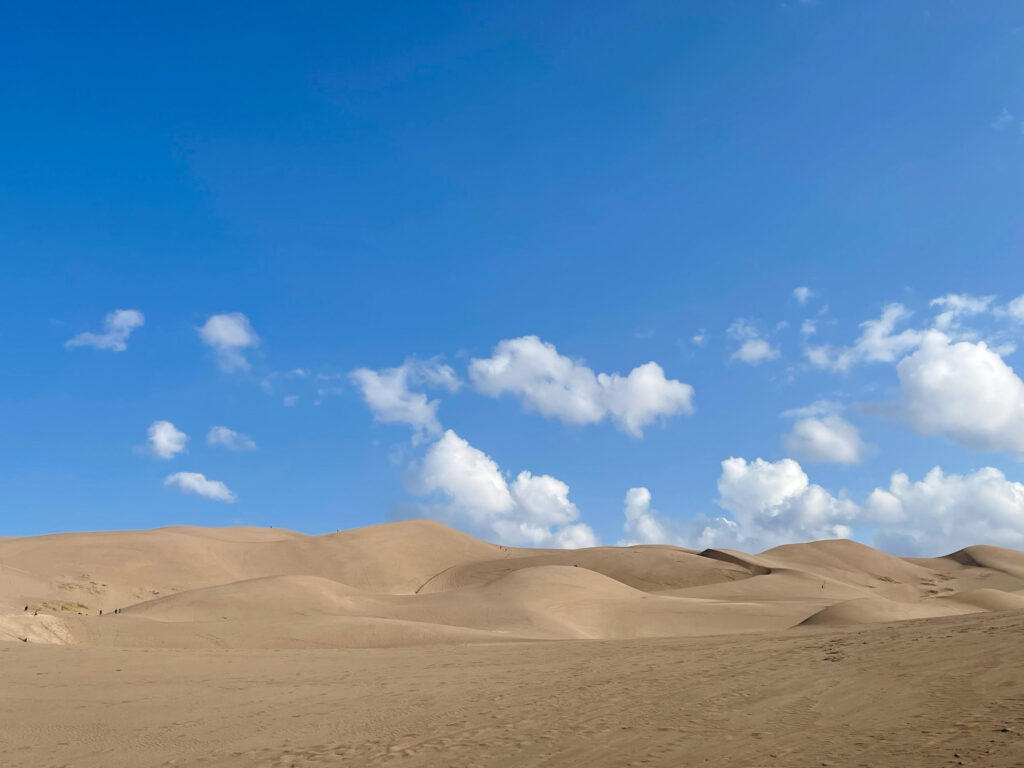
[413,644]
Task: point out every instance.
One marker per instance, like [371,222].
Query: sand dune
[419,582]
[411,643]
[987,600]
[647,568]
[877,610]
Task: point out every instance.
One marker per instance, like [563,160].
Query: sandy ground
[935,692]
[414,644]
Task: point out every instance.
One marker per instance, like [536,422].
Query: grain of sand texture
[413,644]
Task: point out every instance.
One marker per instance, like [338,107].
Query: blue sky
[341,190]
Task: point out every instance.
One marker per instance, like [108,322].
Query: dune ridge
[421,582]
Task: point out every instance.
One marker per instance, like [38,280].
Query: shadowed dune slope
[874,610]
[845,560]
[994,558]
[987,600]
[989,558]
[647,568]
[419,582]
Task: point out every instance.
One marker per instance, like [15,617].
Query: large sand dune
[413,644]
[421,582]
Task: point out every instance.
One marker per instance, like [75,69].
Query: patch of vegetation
[62,605]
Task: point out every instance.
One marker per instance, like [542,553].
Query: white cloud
[533,509]
[228,438]
[754,349]
[943,513]
[388,396]
[644,525]
[290,401]
[559,387]
[963,391]
[957,305]
[802,294]
[809,327]
[229,334]
[164,440]
[821,434]
[700,338]
[755,352]
[773,503]
[831,438]
[767,503]
[817,408]
[119,325]
[195,482]
[878,342]
[644,396]
[1015,309]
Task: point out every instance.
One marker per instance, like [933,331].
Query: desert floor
[414,644]
[932,692]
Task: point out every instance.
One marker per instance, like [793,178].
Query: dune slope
[420,582]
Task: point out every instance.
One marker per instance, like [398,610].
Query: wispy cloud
[118,326]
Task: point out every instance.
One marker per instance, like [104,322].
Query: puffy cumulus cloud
[118,326]
[643,524]
[466,474]
[766,503]
[228,438]
[643,397]
[878,342]
[803,294]
[963,391]
[754,349]
[943,513]
[533,509]
[957,305]
[821,434]
[773,503]
[559,387]
[388,396]
[164,440]
[229,334]
[196,482]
